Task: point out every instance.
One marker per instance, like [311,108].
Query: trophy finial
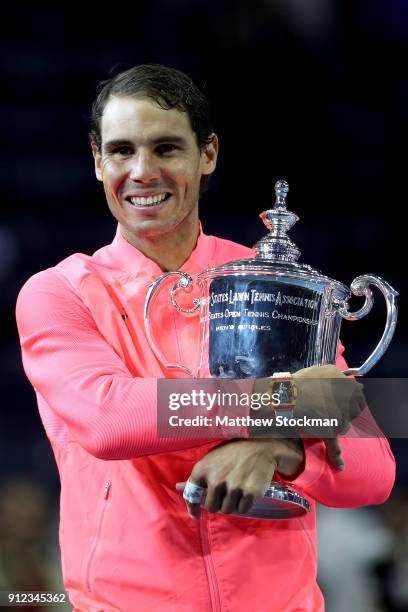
[281,190]
[277,246]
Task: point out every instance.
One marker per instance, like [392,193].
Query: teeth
[150,201]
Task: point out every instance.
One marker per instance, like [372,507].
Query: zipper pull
[106,489]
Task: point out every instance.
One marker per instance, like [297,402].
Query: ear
[209,156]
[98,162]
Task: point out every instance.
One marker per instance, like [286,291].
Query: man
[126,539]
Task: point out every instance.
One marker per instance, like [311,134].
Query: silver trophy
[270,314]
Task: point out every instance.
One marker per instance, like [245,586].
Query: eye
[166,148]
[122,151]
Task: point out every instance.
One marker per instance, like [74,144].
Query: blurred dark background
[314,92]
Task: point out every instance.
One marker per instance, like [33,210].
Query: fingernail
[340,467]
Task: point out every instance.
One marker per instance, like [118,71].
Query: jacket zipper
[91,555]
[209,565]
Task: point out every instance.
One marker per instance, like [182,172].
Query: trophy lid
[277,246]
[276,254]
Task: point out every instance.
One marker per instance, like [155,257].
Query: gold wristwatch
[285,387]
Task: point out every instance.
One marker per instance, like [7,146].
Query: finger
[193,510]
[215,497]
[245,503]
[334,453]
[231,501]
[193,507]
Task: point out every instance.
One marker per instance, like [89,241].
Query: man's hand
[239,472]
[325,392]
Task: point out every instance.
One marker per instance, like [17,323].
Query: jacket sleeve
[108,412]
[369,473]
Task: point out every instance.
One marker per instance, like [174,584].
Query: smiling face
[151,167]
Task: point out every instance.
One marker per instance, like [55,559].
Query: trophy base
[279,502]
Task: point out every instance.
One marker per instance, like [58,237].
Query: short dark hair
[168,87]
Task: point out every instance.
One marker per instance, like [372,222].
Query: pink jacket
[127,542]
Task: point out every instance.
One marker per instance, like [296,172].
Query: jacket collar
[134,261]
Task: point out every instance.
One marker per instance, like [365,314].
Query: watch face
[284,389]
[287,391]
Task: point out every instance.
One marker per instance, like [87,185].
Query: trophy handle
[361,287]
[184,283]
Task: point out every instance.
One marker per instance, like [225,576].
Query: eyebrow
[164,138]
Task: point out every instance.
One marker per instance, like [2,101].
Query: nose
[144,167]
